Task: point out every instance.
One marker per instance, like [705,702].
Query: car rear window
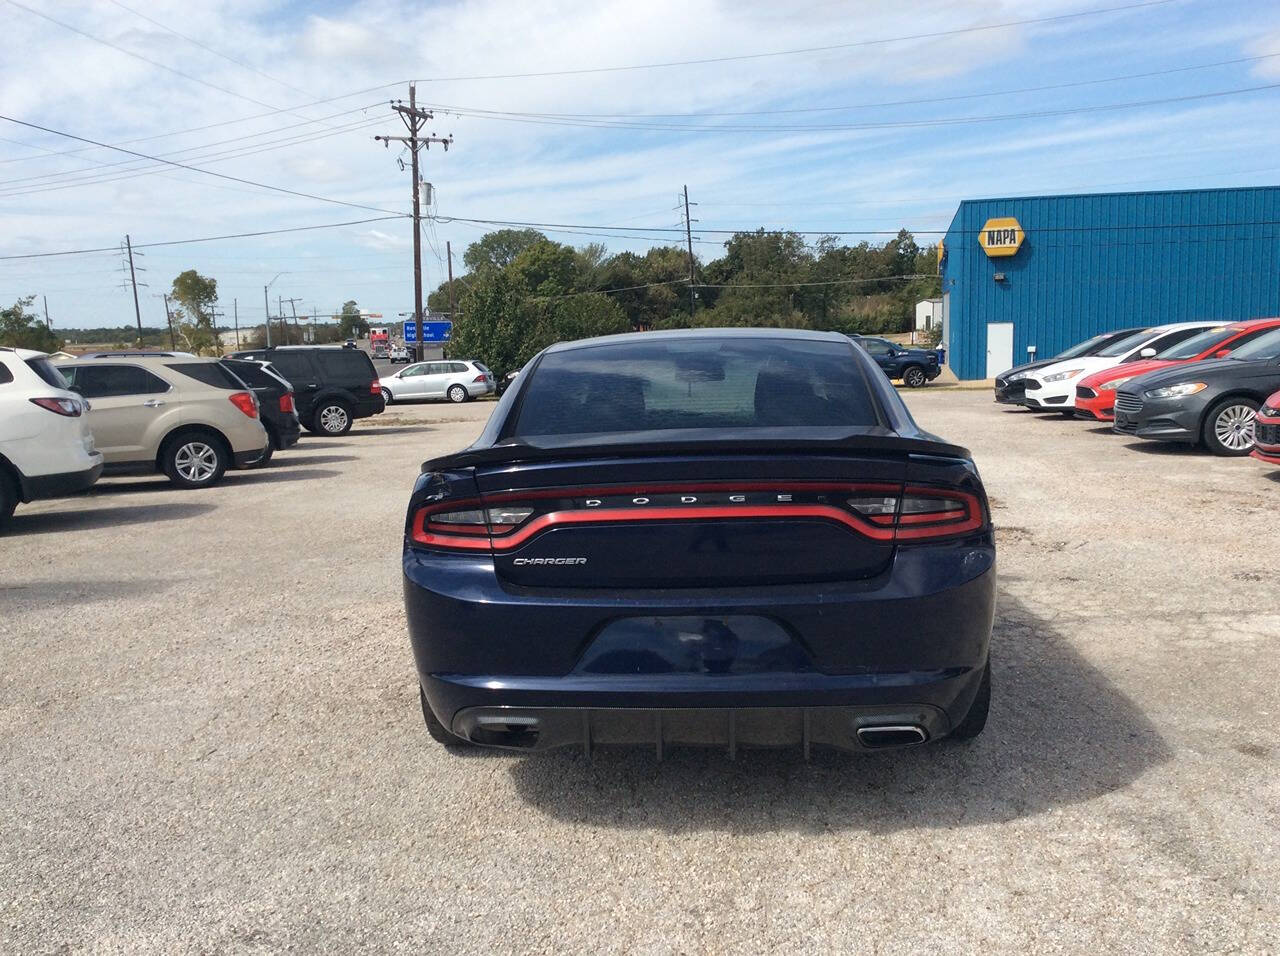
[47,371]
[5,375]
[106,381]
[251,373]
[210,373]
[695,383]
[346,364]
[295,366]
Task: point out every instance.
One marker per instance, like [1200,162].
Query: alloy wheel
[333,419]
[1234,427]
[914,378]
[386,396]
[196,461]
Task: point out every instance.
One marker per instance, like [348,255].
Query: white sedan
[454,380]
[1053,388]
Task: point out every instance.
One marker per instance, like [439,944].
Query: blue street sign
[431,332]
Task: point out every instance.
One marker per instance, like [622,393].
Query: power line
[206,48]
[814,49]
[539,119]
[916,102]
[193,129]
[197,169]
[136,56]
[185,149]
[184,242]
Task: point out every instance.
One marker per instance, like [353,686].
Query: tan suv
[190,418]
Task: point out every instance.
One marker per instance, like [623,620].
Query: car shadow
[1101,430]
[1174,448]
[310,443]
[388,429]
[290,458]
[1060,733]
[282,472]
[76,519]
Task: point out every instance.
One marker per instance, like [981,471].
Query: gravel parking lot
[211,738]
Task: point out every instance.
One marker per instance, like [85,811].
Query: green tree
[493,325]
[547,268]
[21,329]
[351,324]
[195,296]
[497,250]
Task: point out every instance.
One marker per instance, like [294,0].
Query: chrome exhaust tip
[891,735]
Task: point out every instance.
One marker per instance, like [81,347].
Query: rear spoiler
[792,440]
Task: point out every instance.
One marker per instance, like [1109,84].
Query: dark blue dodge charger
[707,537]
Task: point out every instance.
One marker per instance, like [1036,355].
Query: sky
[856,116]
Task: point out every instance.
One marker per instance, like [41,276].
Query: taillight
[922,512]
[883,512]
[70,407]
[479,378]
[286,402]
[375,387]
[246,402]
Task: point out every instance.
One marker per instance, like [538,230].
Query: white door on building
[999,347]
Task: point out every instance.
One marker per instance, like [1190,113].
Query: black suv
[332,386]
[913,366]
[275,405]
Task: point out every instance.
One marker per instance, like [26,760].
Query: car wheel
[1228,428]
[195,460]
[333,418]
[976,719]
[436,729]
[457,394]
[913,376]
[8,498]
[387,397]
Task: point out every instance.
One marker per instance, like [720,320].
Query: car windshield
[1083,348]
[1126,344]
[1265,348]
[1201,342]
[695,383]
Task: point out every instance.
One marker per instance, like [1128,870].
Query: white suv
[190,418]
[46,448]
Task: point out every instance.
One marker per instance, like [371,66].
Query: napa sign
[1001,237]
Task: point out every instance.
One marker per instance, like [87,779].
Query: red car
[1096,393]
[1266,431]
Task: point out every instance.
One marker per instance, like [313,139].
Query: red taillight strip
[611,515]
[423,535]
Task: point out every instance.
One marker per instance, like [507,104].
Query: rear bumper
[910,643]
[38,487]
[368,407]
[242,458]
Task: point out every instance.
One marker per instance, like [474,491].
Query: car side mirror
[1222,353]
[1148,352]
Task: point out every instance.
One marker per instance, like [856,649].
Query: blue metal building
[1069,267]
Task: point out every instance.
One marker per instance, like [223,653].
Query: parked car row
[65,423]
[1200,383]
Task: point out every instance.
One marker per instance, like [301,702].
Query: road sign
[1001,237]
[431,332]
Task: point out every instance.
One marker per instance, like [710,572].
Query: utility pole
[235,313]
[137,310]
[688,235]
[297,328]
[414,119]
[168,318]
[453,308]
[47,323]
[214,316]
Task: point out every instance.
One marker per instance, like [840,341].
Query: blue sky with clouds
[862,135]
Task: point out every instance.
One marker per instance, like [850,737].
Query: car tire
[333,417]
[436,729]
[8,498]
[387,397]
[195,460]
[913,376]
[976,719]
[1228,428]
[457,394]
